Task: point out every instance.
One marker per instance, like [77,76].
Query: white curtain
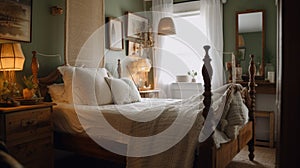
[160,9]
[211,17]
[178,54]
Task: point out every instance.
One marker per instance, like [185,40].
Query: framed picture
[15,20]
[115,34]
[133,48]
[242,52]
[135,25]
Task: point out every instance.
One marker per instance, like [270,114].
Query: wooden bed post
[209,152]
[207,75]
[34,67]
[251,91]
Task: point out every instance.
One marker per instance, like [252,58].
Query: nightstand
[183,90]
[28,134]
[149,93]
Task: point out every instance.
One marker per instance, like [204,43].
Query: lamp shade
[166,26]
[11,57]
[143,65]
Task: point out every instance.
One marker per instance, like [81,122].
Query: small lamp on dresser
[11,60]
[143,68]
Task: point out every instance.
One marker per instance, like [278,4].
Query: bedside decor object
[193,74]
[56,10]
[8,92]
[182,78]
[31,87]
[16,20]
[239,73]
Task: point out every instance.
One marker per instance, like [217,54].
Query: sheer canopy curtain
[183,52]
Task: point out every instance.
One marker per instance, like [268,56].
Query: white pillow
[123,90]
[57,92]
[86,86]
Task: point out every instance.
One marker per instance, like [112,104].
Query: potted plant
[193,74]
[31,87]
[8,91]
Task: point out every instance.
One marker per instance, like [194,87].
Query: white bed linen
[65,118]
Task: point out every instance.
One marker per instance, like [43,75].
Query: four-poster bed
[206,153]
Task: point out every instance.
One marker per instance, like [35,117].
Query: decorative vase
[28,93]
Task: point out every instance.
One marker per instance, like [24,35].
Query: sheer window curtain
[212,14]
[160,9]
[178,54]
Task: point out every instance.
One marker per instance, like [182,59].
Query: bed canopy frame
[206,154]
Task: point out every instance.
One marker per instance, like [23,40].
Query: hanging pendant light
[166,26]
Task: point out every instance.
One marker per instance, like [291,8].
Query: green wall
[48,33]
[47,37]
[117,8]
[229,11]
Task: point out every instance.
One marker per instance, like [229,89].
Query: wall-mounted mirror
[250,39]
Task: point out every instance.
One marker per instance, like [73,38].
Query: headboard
[53,77]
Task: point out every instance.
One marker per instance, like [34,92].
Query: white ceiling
[250,22]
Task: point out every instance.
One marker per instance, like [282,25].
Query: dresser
[183,90]
[28,134]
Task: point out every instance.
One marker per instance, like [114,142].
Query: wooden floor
[264,158]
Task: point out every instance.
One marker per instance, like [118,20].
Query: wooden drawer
[35,154]
[28,125]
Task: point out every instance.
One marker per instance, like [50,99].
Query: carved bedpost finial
[207,76]
[119,68]
[34,67]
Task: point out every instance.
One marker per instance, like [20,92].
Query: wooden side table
[28,134]
[270,115]
[265,87]
[149,93]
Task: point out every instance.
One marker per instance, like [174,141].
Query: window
[182,52]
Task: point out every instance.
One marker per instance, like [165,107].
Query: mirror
[250,40]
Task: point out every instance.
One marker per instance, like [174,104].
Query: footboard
[207,155]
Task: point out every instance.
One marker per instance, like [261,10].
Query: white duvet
[81,119]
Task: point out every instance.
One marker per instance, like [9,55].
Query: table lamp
[11,60]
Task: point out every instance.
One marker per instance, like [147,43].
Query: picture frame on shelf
[135,24]
[115,34]
[133,48]
[242,52]
[16,26]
